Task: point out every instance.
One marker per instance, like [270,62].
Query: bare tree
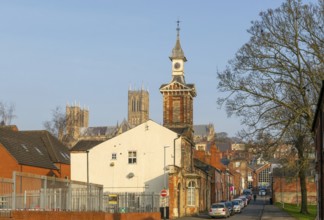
[273,81]
[7,113]
[58,123]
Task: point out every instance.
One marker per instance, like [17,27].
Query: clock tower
[178,95]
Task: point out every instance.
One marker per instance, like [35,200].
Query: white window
[131,157]
[191,193]
[114,156]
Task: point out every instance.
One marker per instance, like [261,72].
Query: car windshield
[217,206]
[235,202]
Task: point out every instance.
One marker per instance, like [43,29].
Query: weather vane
[178,27]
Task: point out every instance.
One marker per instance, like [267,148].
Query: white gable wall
[148,140]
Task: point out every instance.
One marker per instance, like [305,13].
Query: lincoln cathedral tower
[138,107]
[76,118]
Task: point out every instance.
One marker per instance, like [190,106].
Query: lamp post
[164,187]
[228,184]
[87,180]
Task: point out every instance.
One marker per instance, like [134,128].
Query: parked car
[236,206]
[248,197]
[241,202]
[247,192]
[262,192]
[230,207]
[219,210]
[245,200]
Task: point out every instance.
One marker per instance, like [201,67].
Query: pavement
[274,213]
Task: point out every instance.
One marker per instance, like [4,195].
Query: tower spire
[177,52]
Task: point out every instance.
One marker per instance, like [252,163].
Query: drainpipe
[174,150]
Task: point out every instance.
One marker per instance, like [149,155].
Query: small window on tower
[114,156]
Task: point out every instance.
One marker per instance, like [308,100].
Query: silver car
[241,202]
[219,210]
[236,206]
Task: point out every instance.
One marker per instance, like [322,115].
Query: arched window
[191,193]
[133,105]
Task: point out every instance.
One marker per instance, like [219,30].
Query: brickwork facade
[8,164]
[288,190]
[177,106]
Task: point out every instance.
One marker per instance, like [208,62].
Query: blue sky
[90,52]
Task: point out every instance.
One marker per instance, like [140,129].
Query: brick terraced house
[36,152]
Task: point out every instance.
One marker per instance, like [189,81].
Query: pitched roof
[85,145]
[34,148]
[97,131]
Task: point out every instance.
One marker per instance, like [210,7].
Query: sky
[90,52]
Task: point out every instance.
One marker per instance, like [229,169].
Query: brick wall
[286,190]
[7,163]
[35,215]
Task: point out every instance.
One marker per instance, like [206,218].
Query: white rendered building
[130,162]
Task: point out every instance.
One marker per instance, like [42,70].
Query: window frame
[191,193]
[132,157]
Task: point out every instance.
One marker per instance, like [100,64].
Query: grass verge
[294,211]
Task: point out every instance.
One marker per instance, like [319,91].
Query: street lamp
[164,207]
[88,201]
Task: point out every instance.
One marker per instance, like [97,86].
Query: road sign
[164,193]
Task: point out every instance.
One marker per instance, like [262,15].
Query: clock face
[177,65]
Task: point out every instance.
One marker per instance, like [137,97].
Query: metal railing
[124,202]
[5,196]
[34,192]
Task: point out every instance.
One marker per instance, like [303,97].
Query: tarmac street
[256,210]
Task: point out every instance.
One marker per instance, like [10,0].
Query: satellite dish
[130,175]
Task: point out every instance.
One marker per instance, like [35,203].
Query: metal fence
[5,196]
[123,202]
[34,192]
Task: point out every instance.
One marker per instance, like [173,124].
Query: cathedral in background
[77,120]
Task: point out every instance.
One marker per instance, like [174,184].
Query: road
[251,212]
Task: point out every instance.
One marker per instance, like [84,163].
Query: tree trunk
[302,165]
[303,190]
